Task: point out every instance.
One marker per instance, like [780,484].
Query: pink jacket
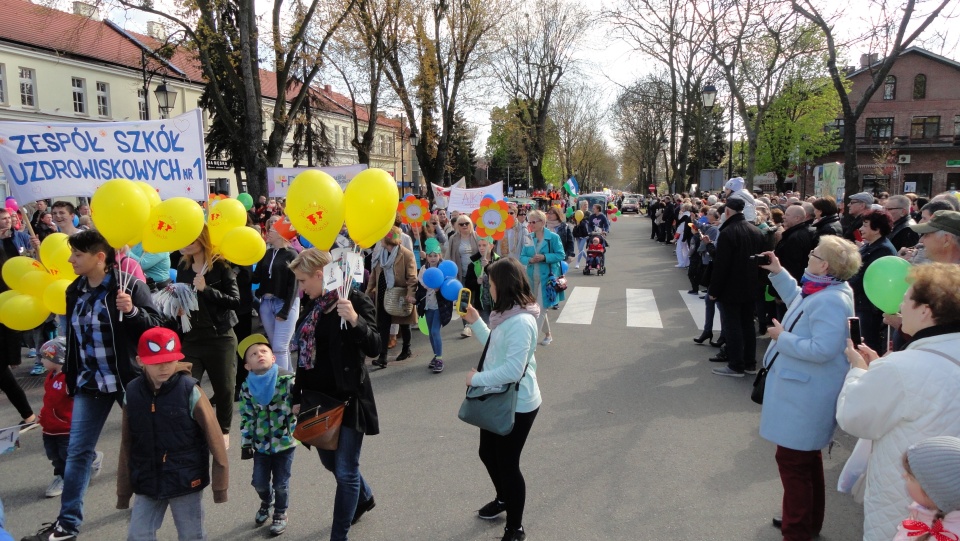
[923,517]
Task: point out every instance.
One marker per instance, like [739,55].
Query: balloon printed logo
[165,227]
[413,210]
[492,218]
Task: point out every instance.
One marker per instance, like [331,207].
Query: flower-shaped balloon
[492,218]
[413,210]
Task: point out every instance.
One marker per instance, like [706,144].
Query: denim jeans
[277,465]
[710,308]
[90,412]
[433,325]
[147,517]
[279,332]
[581,249]
[56,448]
[344,463]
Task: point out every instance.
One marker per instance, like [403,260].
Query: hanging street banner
[468,199]
[441,195]
[47,160]
[279,178]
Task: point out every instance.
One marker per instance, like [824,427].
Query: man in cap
[941,236]
[859,205]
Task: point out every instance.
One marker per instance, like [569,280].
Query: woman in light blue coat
[807,367]
[542,254]
[511,342]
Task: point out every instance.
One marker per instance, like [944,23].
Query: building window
[956,130]
[879,130]
[142,104]
[336,137]
[837,126]
[925,128]
[920,87]
[3,84]
[103,99]
[79,95]
[890,88]
[28,87]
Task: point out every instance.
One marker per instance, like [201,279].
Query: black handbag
[760,382]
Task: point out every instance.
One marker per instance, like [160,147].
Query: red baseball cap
[159,345]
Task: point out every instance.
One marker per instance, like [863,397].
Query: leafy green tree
[462,159]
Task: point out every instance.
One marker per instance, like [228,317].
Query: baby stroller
[596,259]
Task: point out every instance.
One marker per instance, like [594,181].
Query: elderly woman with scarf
[393,266]
[542,256]
[511,341]
[806,366]
[333,338]
[556,223]
[461,245]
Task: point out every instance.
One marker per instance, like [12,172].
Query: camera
[760,259]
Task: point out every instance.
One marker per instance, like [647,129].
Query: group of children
[170,432]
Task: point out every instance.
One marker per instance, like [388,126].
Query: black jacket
[736,278]
[828,225]
[901,236]
[851,228]
[566,238]
[346,356]
[472,281]
[282,283]
[219,299]
[794,247]
[126,333]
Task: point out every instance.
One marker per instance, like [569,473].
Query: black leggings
[501,456]
[10,387]
[384,320]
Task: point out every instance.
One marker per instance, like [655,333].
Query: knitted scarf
[307,337]
[812,283]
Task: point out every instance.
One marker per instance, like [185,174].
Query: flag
[571,186]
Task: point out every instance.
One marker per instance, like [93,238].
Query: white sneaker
[578,266]
[546,341]
[56,487]
[97,464]
[467,332]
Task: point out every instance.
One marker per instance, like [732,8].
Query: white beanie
[935,463]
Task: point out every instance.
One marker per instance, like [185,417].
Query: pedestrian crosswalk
[641,307]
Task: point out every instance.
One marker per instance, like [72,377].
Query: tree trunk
[851,175]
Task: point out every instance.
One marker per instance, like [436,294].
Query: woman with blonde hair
[542,255]
[279,301]
[394,266]
[210,345]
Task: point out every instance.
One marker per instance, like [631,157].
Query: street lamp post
[166,98]
[708,96]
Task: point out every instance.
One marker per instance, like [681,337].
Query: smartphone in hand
[853,323]
[463,301]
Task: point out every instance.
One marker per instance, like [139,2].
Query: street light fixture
[709,96]
[166,98]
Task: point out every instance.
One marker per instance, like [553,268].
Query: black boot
[381,362]
[706,335]
[404,353]
[719,343]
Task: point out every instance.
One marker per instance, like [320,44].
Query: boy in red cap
[169,432]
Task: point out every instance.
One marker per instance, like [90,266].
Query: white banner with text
[279,178]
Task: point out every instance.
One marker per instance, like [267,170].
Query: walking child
[57,413]
[266,428]
[167,421]
[932,475]
[436,309]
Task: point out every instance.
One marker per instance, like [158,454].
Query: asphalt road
[636,439]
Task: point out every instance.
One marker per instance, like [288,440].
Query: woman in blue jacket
[542,254]
[511,342]
[806,364]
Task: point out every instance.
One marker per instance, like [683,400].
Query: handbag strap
[792,325]
[942,354]
[483,357]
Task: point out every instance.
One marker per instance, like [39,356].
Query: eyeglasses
[816,256]
[533,221]
[463,223]
[894,208]
[512,213]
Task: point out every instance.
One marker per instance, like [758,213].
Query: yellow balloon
[55,254]
[173,224]
[578,215]
[7,295]
[153,197]
[370,201]
[55,297]
[243,246]
[23,312]
[315,207]
[16,268]
[119,210]
[225,216]
[34,283]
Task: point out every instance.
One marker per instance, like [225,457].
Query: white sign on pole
[468,199]
[279,178]
[46,160]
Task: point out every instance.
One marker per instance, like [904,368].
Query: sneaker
[279,524]
[27,426]
[38,369]
[56,487]
[751,371]
[546,341]
[727,371]
[433,363]
[262,514]
[578,266]
[492,510]
[514,534]
[438,367]
[467,332]
[51,531]
[362,508]
[32,353]
[97,464]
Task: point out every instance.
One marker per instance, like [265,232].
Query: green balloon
[619,213]
[246,200]
[422,324]
[885,283]
[569,212]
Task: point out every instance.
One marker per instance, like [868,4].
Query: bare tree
[538,51]
[899,24]
[642,119]
[576,118]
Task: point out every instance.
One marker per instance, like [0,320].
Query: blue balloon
[448,268]
[433,278]
[564,267]
[451,289]
[305,243]
[76,221]
[173,275]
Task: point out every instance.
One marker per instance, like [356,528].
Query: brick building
[908,138]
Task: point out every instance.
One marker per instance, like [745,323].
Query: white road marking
[642,309]
[579,306]
[695,305]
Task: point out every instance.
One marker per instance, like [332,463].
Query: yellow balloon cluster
[229,234]
[36,288]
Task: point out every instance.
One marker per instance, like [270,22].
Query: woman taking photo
[331,367]
[210,344]
[556,223]
[805,377]
[876,226]
[542,257]
[279,303]
[906,396]
[461,245]
[394,266]
[509,358]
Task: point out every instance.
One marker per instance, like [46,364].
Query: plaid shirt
[94,330]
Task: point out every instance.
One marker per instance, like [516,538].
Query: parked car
[630,204]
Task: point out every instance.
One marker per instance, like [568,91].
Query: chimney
[874,58]
[156,31]
[86,10]
[864,60]
[326,88]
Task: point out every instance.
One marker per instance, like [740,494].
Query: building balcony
[905,141]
